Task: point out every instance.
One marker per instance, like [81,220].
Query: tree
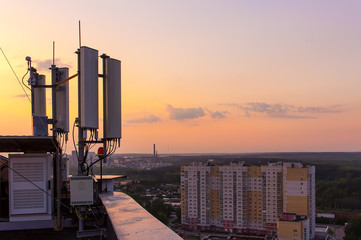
[140,189]
[161,216]
[353,229]
[178,212]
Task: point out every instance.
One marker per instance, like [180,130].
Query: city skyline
[202,76]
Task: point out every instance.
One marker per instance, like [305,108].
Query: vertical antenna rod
[79,35]
[81,160]
[105,76]
[53,52]
[56,157]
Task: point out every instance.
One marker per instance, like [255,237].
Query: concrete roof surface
[131,221]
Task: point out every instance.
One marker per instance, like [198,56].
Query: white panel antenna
[40,98]
[62,101]
[88,88]
[112,99]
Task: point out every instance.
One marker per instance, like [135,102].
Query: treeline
[153,177]
[338,188]
[353,229]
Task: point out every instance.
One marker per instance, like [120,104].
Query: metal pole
[80,142]
[104,57]
[80,129]
[32,94]
[56,158]
[54,71]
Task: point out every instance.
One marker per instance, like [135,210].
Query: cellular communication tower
[37,179]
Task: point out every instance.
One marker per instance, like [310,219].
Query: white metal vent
[24,199]
[27,196]
[32,171]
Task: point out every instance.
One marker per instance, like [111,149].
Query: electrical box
[81,190]
[40,98]
[88,88]
[62,101]
[112,99]
[30,184]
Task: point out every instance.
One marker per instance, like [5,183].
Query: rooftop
[130,221]
[27,144]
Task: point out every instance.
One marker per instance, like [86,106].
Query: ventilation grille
[32,171]
[24,199]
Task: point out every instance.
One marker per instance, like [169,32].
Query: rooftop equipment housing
[88,88]
[112,99]
[27,201]
[81,190]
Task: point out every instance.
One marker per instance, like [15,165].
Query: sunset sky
[201,76]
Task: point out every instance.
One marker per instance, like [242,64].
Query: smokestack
[154,153]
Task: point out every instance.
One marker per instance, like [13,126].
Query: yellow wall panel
[214,205]
[297,174]
[254,171]
[298,205]
[288,229]
[214,171]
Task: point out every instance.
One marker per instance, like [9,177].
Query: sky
[201,76]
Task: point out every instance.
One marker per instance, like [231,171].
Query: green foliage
[342,193]
[338,184]
[140,189]
[156,207]
[172,177]
[178,212]
[332,233]
[341,220]
[148,178]
[161,216]
[353,230]
[323,220]
[160,210]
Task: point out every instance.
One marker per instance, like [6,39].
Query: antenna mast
[79,35]
[53,52]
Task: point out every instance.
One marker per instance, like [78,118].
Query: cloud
[317,110]
[283,110]
[46,64]
[146,119]
[217,114]
[181,114]
[272,110]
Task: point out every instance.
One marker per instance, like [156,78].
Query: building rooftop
[130,221]
[109,177]
[292,217]
[27,144]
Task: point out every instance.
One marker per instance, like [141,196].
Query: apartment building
[246,199]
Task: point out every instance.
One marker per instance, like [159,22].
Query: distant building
[330,216]
[292,226]
[246,199]
[322,233]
